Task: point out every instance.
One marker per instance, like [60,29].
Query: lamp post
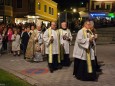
[58,20]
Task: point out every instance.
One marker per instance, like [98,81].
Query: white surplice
[81,44]
[65,43]
[55,42]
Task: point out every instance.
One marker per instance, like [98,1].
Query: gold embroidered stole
[88,55]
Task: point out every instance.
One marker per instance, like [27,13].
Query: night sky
[67,4]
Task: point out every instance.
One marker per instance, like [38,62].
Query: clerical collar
[39,30]
[64,28]
[53,29]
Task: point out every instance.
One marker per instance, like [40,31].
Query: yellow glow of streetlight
[74,10]
[58,14]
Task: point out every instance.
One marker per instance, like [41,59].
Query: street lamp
[74,10]
[58,20]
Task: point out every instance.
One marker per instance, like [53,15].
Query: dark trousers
[24,51]
[81,71]
[54,65]
[66,60]
[4,46]
[96,63]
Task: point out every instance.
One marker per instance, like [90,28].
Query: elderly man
[35,48]
[66,38]
[52,44]
[84,62]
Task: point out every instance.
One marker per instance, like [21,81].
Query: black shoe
[60,67]
[18,54]
[98,70]
[51,70]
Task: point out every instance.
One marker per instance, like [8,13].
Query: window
[31,4]
[19,3]
[39,7]
[97,7]
[108,7]
[1,2]
[45,8]
[52,11]
[49,10]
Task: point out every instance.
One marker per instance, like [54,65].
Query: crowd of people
[35,43]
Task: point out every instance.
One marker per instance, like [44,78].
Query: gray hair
[92,23]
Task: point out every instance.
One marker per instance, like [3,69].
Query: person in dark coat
[25,39]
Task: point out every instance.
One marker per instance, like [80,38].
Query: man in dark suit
[25,39]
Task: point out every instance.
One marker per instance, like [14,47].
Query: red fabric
[10,33]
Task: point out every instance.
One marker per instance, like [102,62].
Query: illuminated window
[39,7]
[45,8]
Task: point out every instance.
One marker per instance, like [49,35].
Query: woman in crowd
[9,44]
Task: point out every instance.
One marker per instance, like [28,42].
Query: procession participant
[39,44]
[95,34]
[35,49]
[52,46]
[66,38]
[84,62]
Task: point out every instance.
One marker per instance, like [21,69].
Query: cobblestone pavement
[63,77]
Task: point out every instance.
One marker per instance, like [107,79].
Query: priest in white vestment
[84,59]
[66,38]
[52,47]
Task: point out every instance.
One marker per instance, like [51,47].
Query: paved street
[17,65]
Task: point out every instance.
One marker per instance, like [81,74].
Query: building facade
[21,11]
[6,11]
[34,10]
[101,8]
